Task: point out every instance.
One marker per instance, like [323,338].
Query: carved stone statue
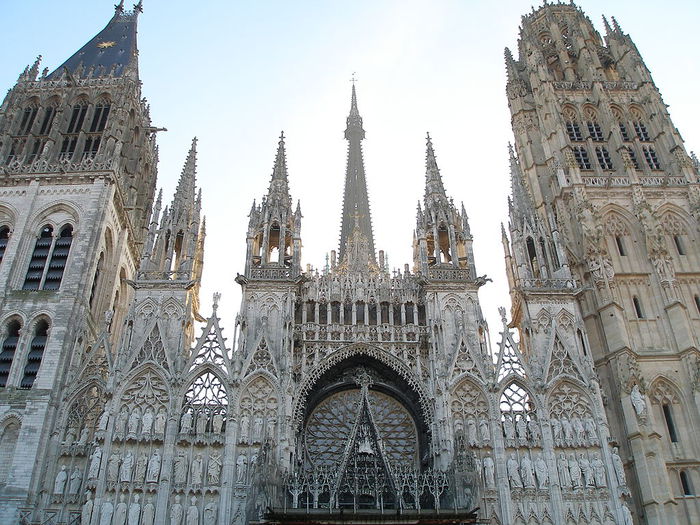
[201,423]
[86,511]
[619,468]
[489,468]
[534,429]
[241,468]
[126,468]
[599,471]
[509,429]
[120,425]
[160,422]
[217,423]
[113,467]
[71,434]
[186,423]
[192,513]
[568,430]
[214,469]
[513,474]
[106,513]
[95,460]
[638,401]
[134,511]
[589,425]
[579,431]
[563,469]
[541,472]
[484,431]
[140,470]
[587,471]
[181,468]
[103,421]
[243,429]
[258,429]
[556,430]
[59,485]
[76,478]
[526,473]
[134,419]
[575,471]
[153,468]
[149,512]
[196,470]
[471,431]
[147,422]
[210,513]
[120,512]
[84,435]
[176,512]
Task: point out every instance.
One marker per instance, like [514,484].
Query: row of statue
[67,483]
[574,473]
[521,430]
[474,437]
[254,430]
[135,423]
[196,470]
[135,513]
[574,432]
[202,422]
[127,468]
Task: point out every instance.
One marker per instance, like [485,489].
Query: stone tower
[602,256]
[77,167]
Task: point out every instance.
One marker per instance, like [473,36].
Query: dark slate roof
[113,47]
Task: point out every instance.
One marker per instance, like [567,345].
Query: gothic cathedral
[357,394]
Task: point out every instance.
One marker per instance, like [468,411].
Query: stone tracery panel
[205,406]
[470,414]
[258,407]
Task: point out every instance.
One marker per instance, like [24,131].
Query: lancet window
[9,347]
[54,250]
[665,399]
[205,406]
[27,121]
[651,158]
[36,353]
[4,239]
[8,442]
[582,159]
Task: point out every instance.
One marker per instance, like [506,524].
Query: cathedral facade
[356,393]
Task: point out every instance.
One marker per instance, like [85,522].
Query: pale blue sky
[236,73]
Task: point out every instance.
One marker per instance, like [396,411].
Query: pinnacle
[433,180]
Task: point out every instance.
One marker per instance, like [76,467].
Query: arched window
[641,130]
[205,406]
[574,131]
[47,122]
[670,423]
[77,117]
[633,157]
[57,265]
[680,246]
[27,121]
[7,353]
[99,118]
[582,158]
[36,353]
[37,263]
[360,312]
[697,302]
[686,485]
[8,442]
[532,257]
[4,238]
[620,243]
[638,307]
[595,131]
[582,341]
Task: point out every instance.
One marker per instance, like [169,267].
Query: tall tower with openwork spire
[604,221]
[356,212]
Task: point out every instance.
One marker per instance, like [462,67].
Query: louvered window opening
[49,274]
[4,238]
[604,159]
[641,130]
[582,159]
[36,353]
[633,158]
[595,131]
[624,133]
[574,131]
[651,158]
[7,353]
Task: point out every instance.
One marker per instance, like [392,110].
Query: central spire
[355,199]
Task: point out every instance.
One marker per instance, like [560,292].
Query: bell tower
[78,171]
[604,213]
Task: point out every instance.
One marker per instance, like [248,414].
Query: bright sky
[236,73]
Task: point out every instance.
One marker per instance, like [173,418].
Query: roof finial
[138,8]
[119,8]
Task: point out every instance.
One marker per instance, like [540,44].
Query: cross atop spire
[356,211]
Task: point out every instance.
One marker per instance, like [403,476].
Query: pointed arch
[568,398]
[85,406]
[145,392]
[10,426]
[205,402]
[375,352]
[258,406]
